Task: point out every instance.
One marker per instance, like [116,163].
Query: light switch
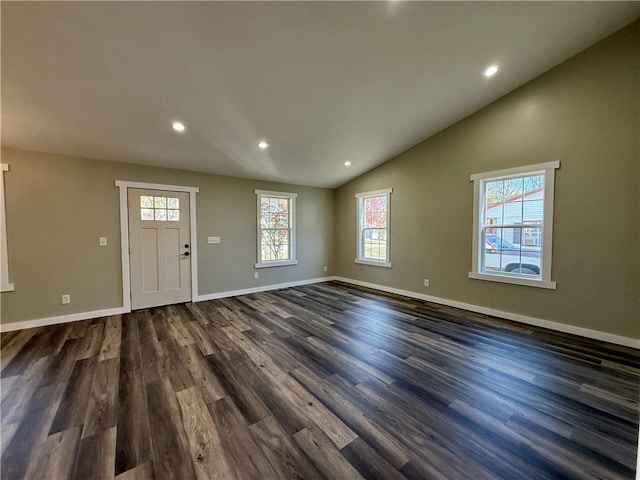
[213,239]
[103,241]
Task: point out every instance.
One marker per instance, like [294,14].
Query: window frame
[292,260]
[5,285]
[360,197]
[544,281]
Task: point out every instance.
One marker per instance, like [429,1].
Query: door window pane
[146,213]
[159,209]
[146,201]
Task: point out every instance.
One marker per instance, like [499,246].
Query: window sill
[7,287]
[373,263]
[276,263]
[527,282]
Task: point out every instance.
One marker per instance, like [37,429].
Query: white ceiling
[323,82]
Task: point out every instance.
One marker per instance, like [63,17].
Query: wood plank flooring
[326,381]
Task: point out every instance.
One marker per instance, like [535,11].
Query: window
[373,227]
[5,286]
[159,209]
[276,229]
[513,224]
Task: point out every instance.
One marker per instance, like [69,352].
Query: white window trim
[359,196]
[123,187]
[292,217]
[5,286]
[549,178]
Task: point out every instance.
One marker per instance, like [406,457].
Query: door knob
[186,254]
[186,245]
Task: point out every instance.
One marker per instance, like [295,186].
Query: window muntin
[276,228]
[373,227]
[513,224]
[159,209]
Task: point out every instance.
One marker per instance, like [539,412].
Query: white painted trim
[372,263]
[560,327]
[271,193]
[505,278]
[5,285]
[124,234]
[538,322]
[638,457]
[275,263]
[73,317]
[124,247]
[156,186]
[478,206]
[194,243]
[375,193]
[547,230]
[264,288]
[515,171]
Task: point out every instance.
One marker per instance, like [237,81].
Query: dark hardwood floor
[323,381]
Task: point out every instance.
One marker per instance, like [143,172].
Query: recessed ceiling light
[263,144]
[491,70]
[347,163]
[178,126]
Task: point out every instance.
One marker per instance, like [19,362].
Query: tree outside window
[276,234]
[373,228]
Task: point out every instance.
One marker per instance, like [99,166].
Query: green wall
[583,113]
[58,206]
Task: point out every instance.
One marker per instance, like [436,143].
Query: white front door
[159,247]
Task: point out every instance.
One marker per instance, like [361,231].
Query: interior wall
[583,113]
[58,206]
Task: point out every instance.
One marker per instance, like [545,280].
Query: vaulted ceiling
[322,82]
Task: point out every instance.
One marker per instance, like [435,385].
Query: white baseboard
[73,317]
[264,288]
[538,322]
[638,458]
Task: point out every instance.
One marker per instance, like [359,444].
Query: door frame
[124,187]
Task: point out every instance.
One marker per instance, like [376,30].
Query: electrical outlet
[426,282]
[256,275]
[325,268]
[65,299]
[211,240]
